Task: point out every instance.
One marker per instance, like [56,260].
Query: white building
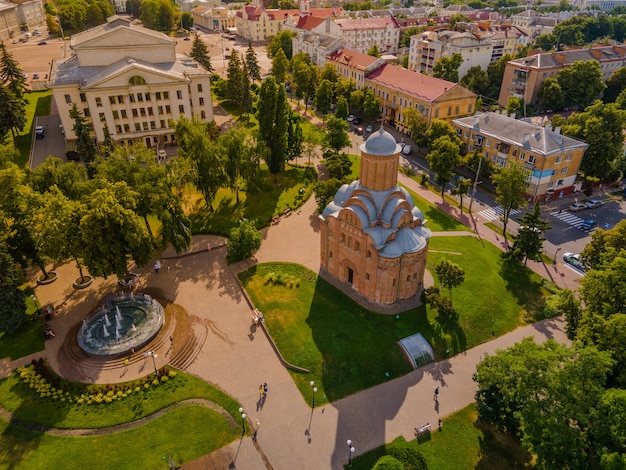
[361,34]
[316,45]
[129,79]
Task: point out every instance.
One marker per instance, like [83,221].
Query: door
[350,276]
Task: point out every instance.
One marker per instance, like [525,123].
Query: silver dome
[381,143]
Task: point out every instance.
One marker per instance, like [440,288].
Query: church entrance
[350,275]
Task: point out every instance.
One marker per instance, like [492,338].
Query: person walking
[260,391]
[436,394]
[265,389]
[157,266]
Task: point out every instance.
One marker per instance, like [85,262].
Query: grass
[28,338]
[38,104]
[276,197]
[185,433]
[348,348]
[465,442]
[26,404]
[437,220]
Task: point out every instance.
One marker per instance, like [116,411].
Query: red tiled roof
[307,23]
[255,11]
[353,58]
[413,83]
[366,23]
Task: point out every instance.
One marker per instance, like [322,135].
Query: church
[372,235]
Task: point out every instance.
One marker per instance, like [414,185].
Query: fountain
[138,319]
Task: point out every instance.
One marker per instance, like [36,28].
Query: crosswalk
[493,213]
[569,218]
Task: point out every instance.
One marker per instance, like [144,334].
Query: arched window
[136,80]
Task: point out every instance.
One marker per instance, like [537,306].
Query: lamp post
[243,422]
[350,452]
[314,388]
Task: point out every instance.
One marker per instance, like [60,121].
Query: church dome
[381,143]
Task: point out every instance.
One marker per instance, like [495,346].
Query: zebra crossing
[569,218]
[493,213]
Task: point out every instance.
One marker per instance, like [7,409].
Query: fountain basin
[121,325]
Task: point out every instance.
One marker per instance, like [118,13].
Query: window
[150,111]
[470,107]
[202,114]
[179,94]
[98,101]
[514,153]
[367,276]
[357,246]
[139,97]
[142,111]
[131,98]
[456,109]
[137,127]
[147,95]
[558,159]
[86,112]
[101,116]
[135,113]
[488,143]
[559,182]
[124,114]
[564,170]
[145,126]
[126,128]
[118,129]
[466,134]
[568,157]
[553,172]
[120,99]
[83,97]
[181,108]
[152,124]
[136,80]
[199,87]
[160,109]
[162,122]
[166,95]
[449,110]
[111,99]
[531,159]
[116,114]
[168,110]
[158,95]
[201,101]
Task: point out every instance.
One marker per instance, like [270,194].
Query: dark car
[187,38]
[42,43]
[40,132]
[72,155]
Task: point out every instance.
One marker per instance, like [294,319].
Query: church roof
[380,142]
[388,217]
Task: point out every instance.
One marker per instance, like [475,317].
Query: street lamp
[243,422]
[350,452]
[314,390]
[154,357]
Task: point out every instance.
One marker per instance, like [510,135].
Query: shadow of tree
[526,287]
[500,450]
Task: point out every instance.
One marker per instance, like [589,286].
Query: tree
[161,15]
[254,71]
[603,241]
[565,303]
[204,154]
[443,158]
[243,241]
[235,87]
[324,97]
[600,126]
[337,136]
[343,110]
[11,72]
[200,53]
[329,72]
[615,84]
[295,137]
[581,83]
[85,143]
[510,182]
[448,67]
[476,79]
[514,105]
[108,144]
[282,41]
[439,128]
[461,188]
[417,126]
[304,75]
[12,113]
[280,63]
[405,40]
[186,20]
[450,275]
[551,95]
[371,105]
[325,192]
[272,113]
[241,163]
[373,51]
[387,462]
[528,243]
[112,233]
[495,72]
[12,305]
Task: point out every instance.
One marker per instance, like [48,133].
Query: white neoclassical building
[129,79]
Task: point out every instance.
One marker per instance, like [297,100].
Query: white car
[406,150]
[573,259]
[162,154]
[351,118]
[577,206]
[593,203]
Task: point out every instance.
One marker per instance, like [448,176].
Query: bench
[422,430]
[275,220]
[287,212]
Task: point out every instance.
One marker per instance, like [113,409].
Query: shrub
[411,458]
[387,462]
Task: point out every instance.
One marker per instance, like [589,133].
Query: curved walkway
[35,427]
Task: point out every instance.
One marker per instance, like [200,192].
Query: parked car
[358,131]
[577,206]
[369,129]
[162,154]
[42,43]
[588,224]
[35,76]
[39,132]
[351,117]
[406,150]
[593,203]
[356,121]
[187,38]
[573,259]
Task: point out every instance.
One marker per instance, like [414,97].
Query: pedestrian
[436,393]
[260,391]
[256,430]
[157,266]
[208,247]
[168,268]
[265,388]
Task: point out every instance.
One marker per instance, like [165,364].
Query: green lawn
[185,433]
[260,206]
[464,443]
[27,405]
[437,220]
[347,348]
[38,104]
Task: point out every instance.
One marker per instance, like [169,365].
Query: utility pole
[480,161]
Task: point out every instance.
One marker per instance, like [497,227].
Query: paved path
[238,358]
